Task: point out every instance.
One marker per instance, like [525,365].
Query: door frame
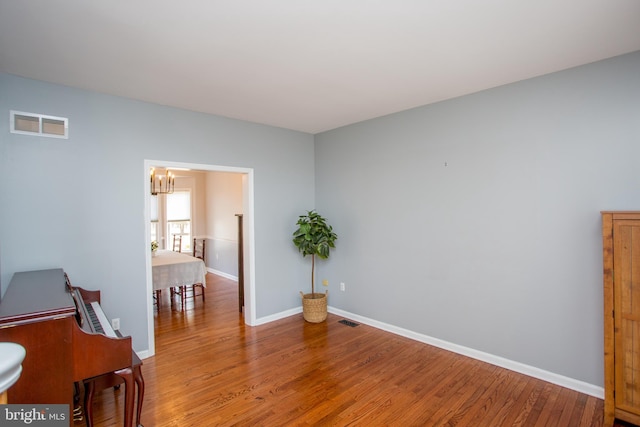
[249,245]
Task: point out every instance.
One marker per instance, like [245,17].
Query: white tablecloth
[176,269]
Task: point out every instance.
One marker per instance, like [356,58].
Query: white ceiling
[301,64]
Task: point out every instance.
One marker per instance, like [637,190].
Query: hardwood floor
[212,370]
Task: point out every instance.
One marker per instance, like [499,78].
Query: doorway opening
[248,237]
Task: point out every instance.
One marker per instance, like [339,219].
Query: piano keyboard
[99,320]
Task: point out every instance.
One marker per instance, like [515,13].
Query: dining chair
[191,291]
[176,290]
[177,242]
[199,248]
[157,298]
[199,251]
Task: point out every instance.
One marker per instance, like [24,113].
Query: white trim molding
[541,374]
[223,274]
[278,316]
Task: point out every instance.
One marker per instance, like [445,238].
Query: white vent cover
[38,124]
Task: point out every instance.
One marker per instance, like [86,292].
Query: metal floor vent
[348,323]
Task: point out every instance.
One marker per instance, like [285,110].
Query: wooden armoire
[621,256]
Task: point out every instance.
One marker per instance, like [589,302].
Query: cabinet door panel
[627,314]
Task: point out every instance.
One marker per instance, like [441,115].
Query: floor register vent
[348,323]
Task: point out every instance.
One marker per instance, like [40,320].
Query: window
[154,219]
[179,218]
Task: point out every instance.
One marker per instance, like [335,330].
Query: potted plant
[314,237]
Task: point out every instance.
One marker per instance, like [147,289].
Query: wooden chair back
[177,242]
[199,248]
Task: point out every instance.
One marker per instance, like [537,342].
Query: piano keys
[99,320]
[52,320]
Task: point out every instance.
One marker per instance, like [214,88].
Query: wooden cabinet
[621,256]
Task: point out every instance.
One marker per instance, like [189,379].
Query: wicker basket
[314,310]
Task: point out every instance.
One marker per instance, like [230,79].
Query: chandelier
[162,184]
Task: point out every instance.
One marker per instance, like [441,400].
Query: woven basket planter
[314,310]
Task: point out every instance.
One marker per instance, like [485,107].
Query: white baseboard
[278,316]
[143,354]
[561,380]
[221,273]
[541,374]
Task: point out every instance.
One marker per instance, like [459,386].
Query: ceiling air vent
[38,124]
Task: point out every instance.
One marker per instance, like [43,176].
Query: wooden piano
[67,338]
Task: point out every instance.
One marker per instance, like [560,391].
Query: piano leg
[89,389]
[137,375]
[129,393]
[114,379]
[109,380]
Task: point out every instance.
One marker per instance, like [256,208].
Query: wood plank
[609,331]
[627,324]
[212,370]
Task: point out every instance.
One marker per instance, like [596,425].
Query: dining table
[174,269]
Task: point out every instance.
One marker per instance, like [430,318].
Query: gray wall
[499,250]
[79,203]
[477,220]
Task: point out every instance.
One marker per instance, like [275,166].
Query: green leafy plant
[314,237]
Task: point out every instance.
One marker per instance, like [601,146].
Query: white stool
[11,357]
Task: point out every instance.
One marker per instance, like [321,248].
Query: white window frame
[155,223]
[186,243]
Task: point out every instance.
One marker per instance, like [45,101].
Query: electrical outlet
[325,282]
[342,287]
[115,324]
